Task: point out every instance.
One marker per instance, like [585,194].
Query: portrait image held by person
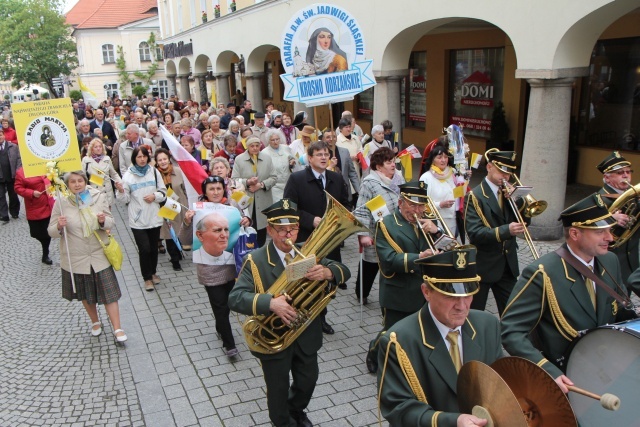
[143,191]
[492,227]
[79,220]
[286,401]
[324,53]
[555,301]
[421,355]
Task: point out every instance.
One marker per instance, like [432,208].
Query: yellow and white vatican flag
[241,199]
[378,207]
[88,95]
[170,209]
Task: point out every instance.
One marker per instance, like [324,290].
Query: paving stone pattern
[172,370]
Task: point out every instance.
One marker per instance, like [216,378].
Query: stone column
[172,84]
[298,106]
[386,98]
[202,87]
[222,88]
[546,145]
[254,90]
[184,94]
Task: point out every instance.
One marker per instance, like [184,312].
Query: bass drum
[607,360]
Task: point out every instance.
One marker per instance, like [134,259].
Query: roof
[110,13]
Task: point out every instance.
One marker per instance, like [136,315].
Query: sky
[68,5]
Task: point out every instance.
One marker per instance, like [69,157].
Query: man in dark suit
[341,162]
[77,111]
[224,120]
[107,129]
[262,267]
[616,175]
[84,131]
[307,189]
[10,162]
[555,301]
[422,354]
[399,243]
[492,228]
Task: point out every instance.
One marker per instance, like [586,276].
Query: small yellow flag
[241,199]
[475,160]
[252,116]
[378,207]
[458,191]
[97,177]
[170,192]
[170,209]
[407,167]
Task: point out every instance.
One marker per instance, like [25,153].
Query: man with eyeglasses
[307,189]
[286,402]
[616,176]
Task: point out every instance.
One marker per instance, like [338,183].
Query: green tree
[139,90]
[75,94]
[35,43]
[124,78]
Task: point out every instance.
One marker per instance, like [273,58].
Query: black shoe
[14,216]
[176,266]
[301,418]
[364,300]
[4,219]
[326,328]
[342,286]
[47,260]
[372,363]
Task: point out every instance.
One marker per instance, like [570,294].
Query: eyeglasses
[213,179]
[622,172]
[322,155]
[282,232]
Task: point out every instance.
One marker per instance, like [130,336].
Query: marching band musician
[492,228]
[262,267]
[616,175]
[553,301]
[399,242]
[421,355]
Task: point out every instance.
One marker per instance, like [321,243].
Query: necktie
[321,180]
[592,292]
[454,352]
[287,259]
[500,199]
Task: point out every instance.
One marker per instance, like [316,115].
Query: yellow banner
[47,132]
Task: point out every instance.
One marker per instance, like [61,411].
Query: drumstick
[608,401]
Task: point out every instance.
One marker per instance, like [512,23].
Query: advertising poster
[323,54]
[215,232]
[46,132]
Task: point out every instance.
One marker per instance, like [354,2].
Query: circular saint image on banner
[47,137]
[321,39]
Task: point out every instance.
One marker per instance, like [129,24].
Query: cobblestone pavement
[172,370]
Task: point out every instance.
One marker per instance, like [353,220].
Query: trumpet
[627,203]
[514,208]
[532,207]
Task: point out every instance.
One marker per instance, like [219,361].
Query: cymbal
[541,400]
[479,384]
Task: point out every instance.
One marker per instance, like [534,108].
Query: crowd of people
[288,168]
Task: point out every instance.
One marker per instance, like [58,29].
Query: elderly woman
[441,180]
[289,132]
[299,146]
[283,162]
[230,150]
[188,129]
[168,119]
[172,178]
[234,129]
[79,220]
[153,133]
[384,181]
[214,126]
[254,170]
[377,141]
[36,205]
[218,279]
[203,122]
[96,162]
[143,191]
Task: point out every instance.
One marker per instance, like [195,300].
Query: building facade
[101,29]
[568,75]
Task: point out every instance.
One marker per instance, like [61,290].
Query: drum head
[480,385]
[607,360]
[541,400]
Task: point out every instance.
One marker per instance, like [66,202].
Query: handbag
[112,251]
[247,242]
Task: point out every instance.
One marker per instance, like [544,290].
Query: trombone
[434,215]
[532,207]
[514,208]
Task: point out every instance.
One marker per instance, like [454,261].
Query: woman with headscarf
[288,131]
[324,53]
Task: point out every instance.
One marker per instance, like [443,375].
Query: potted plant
[233,6]
[204,16]
[499,129]
[216,11]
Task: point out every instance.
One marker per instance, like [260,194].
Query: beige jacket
[177,185]
[243,170]
[85,252]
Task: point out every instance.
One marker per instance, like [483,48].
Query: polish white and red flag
[192,172]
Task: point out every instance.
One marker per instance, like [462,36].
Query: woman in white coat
[96,162]
[283,162]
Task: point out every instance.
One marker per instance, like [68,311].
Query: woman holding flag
[378,196]
[143,191]
[172,179]
[100,170]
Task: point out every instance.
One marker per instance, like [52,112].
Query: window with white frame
[144,51]
[110,89]
[108,54]
[163,89]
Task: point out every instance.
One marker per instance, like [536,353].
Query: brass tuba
[629,204]
[269,334]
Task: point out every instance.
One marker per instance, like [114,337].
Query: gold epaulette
[387,236]
[256,275]
[565,329]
